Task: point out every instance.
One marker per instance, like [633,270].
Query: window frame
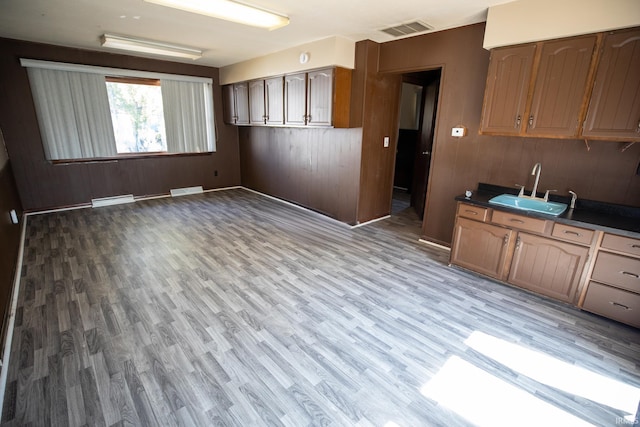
[124,75]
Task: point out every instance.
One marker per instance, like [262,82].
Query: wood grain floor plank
[232,309]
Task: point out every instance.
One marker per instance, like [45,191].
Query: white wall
[525,21]
[329,52]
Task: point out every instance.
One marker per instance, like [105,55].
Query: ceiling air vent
[406,29]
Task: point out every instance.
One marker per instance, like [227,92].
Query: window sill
[127,156]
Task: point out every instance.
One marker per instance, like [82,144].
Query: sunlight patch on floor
[486,400]
[558,374]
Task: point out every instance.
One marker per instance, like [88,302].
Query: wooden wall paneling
[42,185]
[381,105]
[313,167]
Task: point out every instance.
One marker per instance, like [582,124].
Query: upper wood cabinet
[266,101]
[507,87]
[257,114]
[274,100]
[295,106]
[313,98]
[320,98]
[560,87]
[614,110]
[235,100]
[538,89]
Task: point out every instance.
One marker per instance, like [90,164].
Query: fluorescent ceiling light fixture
[229,11]
[148,46]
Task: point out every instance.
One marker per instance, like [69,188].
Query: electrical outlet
[386,141]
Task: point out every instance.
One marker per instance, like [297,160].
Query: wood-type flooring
[233,309]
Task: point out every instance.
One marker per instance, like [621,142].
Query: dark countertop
[618,219]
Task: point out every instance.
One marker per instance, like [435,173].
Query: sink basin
[531,205]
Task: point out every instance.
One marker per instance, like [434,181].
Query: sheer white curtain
[73,113]
[188,116]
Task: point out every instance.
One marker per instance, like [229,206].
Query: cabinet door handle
[627,273]
[518,241]
[617,304]
[530,121]
[516,220]
[638,128]
[518,121]
[471,212]
[572,232]
[505,240]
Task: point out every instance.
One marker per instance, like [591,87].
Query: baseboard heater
[176,192]
[114,200]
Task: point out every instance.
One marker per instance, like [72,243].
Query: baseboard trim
[12,315]
[311,211]
[435,245]
[371,221]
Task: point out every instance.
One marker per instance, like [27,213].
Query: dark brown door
[425,144]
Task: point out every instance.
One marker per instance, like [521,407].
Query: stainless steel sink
[529,204]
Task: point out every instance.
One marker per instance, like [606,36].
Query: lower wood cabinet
[521,250]
[547,266]
[594,270]
[480,247]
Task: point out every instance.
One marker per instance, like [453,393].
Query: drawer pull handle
[471,212]
[572,232]
[627,273]
[516,220]
[635,246]
[617,304]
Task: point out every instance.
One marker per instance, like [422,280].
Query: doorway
[416,126]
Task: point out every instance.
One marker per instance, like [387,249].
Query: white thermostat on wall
[304,57]
[458,131]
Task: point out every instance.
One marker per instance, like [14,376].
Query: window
[95,112]
[137,115]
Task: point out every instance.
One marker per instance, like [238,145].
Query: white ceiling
[80,23]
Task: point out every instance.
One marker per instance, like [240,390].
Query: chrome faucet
[574,197]
[536,171]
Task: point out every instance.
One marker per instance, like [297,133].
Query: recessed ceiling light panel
[132,44]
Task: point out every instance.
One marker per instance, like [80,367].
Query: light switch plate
[386,141]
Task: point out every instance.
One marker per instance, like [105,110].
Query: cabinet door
[274,99]
[507,87]
[228,105]
[547,266]
[480,247]
[614,111]
[241,97]
[295,88]
[257,115]
[320,98]
[560,87]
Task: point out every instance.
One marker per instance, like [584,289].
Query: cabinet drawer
[622,244]
[613,303]
[573,234]
[518,221]
[474,212]
[617,270]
